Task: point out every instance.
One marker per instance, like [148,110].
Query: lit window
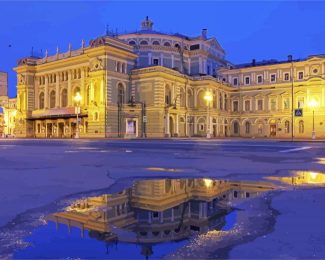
[247,105]
[273,104]
[247,127]
[300,102]
[260,104]
[286,103]
[301,127]
[235,106]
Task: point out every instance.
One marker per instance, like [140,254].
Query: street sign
[144,119]
[298,112]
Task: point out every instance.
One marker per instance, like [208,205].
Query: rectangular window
[155,62]
[195,47]
[235,81]
[38,128]
[286,103]
[247,105]
[301,75]
[273,77]
[247,80]
[260,104]
[273,104]
[286,76]
[259,79]
[235,106]
[300,102]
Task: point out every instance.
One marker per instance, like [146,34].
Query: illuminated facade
[151,84]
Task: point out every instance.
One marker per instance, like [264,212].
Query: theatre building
[152,84]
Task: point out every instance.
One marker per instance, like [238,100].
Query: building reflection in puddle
[155,211]
[302,178]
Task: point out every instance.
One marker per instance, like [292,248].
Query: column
[69,90]
[172,60]
[162,59]
[189,65]
[167,124]
[200,65]
[149,59]
[177,125]
[57,90]
[195,125]
[101,92]
[46,93]
[82,87]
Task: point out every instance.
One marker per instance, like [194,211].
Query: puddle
[301,178]
[152,218]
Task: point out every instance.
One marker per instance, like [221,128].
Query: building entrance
[273,130]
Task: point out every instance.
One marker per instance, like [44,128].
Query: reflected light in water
[208,182]
[302,178]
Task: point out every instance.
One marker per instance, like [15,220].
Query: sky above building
[246,30]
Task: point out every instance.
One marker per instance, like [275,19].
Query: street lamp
[208,98]
[313,104]
[77,99]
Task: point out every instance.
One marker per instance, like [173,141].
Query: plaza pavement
[34,173]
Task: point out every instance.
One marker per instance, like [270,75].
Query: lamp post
[77,99]
[313,104]
[208,98]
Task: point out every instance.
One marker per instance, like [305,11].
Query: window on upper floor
[259,79]
[132,43]
[235,106]
[247,105]
[260,104]
[155,61]
[300,75]
[273,104]
[286,103]
[273,77]
[300,102]
[247,80]
[195,47]
[167,44]
[286,76]
[143,43]
[235,81]
[155,43]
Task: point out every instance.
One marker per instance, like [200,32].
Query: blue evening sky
[246,30]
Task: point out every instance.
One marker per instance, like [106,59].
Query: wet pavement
[160,199]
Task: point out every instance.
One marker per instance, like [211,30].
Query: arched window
[287,127]
[132,43]
[52,99]
[168,95]
[182,97]
[260,129]
[236,128]
[201,102]
[41,100]
[120,94]
[76,90]
[64,98]
[177,45]
[143,43]
[247,127]
[155,43]
[301,127]
[190,99]
[167,44]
